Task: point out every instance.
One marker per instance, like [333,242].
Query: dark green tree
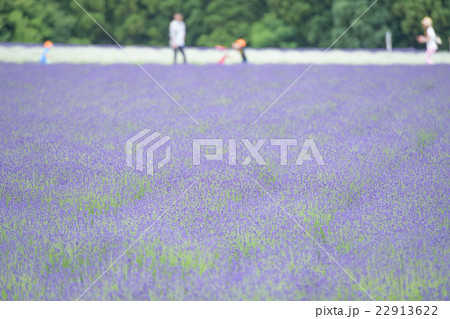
[263,23]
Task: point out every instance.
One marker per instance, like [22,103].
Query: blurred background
[263,23]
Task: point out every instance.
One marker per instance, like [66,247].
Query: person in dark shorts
[177,34]
[239,45]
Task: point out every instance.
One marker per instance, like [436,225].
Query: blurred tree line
[263,23]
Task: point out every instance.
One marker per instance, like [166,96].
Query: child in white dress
[429,38]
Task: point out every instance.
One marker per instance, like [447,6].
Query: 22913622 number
[406,311]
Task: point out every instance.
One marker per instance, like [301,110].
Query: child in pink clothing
[429,38]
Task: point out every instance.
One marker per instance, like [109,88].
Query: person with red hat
[45,54]
[239,45]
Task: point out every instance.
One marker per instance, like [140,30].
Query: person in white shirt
[177,34]
[429,38]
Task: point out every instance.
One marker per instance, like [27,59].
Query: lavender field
[378,208]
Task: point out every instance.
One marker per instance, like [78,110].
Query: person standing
[177,34]
[429,38]
[45,54]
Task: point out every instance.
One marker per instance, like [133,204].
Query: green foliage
[263,23]
[225,21]
[369,31]
[271,32]
[409,12]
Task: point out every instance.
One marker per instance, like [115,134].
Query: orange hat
[241,43]
[48,44]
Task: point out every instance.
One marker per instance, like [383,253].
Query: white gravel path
[113,54]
